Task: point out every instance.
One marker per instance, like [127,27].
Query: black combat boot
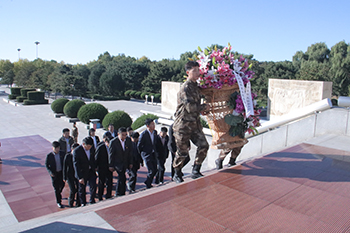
[195,171]
[232,162]
[178,176]
[218,164]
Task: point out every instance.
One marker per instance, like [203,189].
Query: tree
[317,52]
[160,71]
[111,82]
[94,78]
[8,78]
[5,66]
[25,70]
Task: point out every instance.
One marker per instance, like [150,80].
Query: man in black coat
[85,171]
[66,141]
[163,153]
[137,161]
[54,164]
[120,158]
[95,139]
[105,176]
[69,176]
[148,150]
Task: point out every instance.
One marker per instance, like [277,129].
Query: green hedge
[132,93]
[118,119]
[58,105]
[24,91]
[33,102]
[16,91]
[141,120]
[72,107]
[109,98]
[92,111]
[36,95]
[20,99]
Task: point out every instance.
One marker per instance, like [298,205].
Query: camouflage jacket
[188,103]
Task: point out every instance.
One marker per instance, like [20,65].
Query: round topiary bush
[143,95]
[72,107]
[58,105]
[157,97]
[139,122]
[138,95]
[127,93]
[92,111]
[118,119]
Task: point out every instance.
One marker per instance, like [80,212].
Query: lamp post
[19,57]
[37,43]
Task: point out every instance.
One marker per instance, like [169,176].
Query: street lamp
[19,50]
[37,43]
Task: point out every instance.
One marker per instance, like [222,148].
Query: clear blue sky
[78,31]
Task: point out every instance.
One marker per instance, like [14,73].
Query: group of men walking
[125,151]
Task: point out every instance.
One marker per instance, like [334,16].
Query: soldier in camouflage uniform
[187,124]
[224,152]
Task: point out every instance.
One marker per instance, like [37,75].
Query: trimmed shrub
[108,98]
[36,95]
[132,93]
[139,122]
[24,91]
[12,97]
[72,107]
[127,93]
[58,105]
[143,95]
[157,97]
[92,111]
[118,119]
[138,95]
[16,91]
[33,102]
[20,99]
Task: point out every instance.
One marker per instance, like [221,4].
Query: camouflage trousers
[183,133]
[234,152]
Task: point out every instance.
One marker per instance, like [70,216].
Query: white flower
[204,60]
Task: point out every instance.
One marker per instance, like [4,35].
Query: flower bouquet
[225,83]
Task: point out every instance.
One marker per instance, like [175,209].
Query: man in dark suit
[137,161]
[120,158]
[66,141]
[69,176]
[105,176]
[163,153]
[148,150]
[54,164]
[111,129]
[85,171]
[95,138]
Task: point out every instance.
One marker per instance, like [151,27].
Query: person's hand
[81,181]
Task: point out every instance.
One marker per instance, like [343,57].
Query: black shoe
[178,176]
[82,205]
[156,181]
[218,164]
[195,171]
[59,205]
[232,162]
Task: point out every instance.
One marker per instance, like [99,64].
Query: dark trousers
[73,187]
[58,185]
[105,178]
[151,164]
[132,178]
[121,184]
[91,179]
[161,170]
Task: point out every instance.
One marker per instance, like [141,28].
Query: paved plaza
[302,188]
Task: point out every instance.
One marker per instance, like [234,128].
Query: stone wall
[169,96]
[285,96]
